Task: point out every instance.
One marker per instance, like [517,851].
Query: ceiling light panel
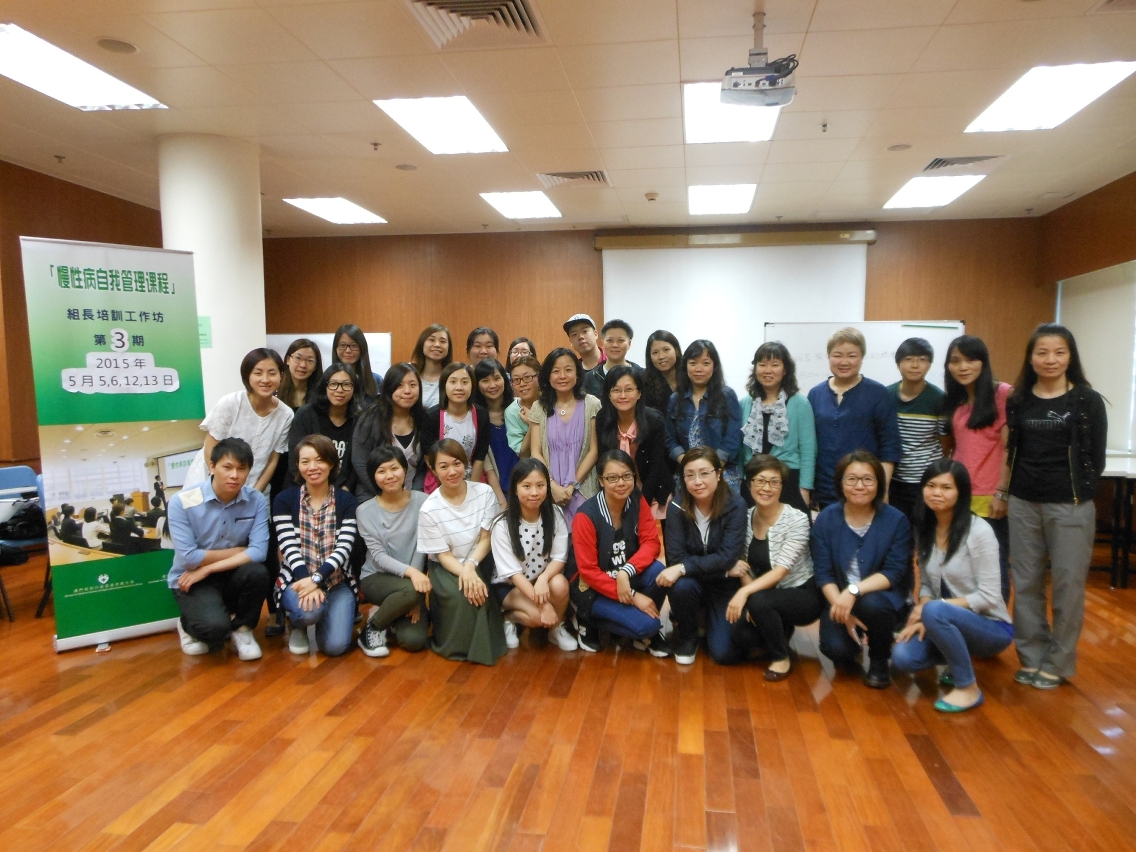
[932,191]
[1047,95]
[721,199]
[42,66]
[338,211]
[522,205]
[444,125]
[707,119]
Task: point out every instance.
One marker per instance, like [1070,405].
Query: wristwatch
[853,590]
[317,578]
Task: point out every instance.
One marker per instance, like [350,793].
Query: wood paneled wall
[525,283]
[37,205]
[1094,232]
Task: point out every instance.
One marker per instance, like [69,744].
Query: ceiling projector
[764,83]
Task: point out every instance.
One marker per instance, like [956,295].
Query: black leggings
[772,616]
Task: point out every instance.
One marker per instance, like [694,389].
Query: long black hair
[1027,378]
[512,513]
[322,404]
[485,369]
[715,398]
[547,391]
[607,421]
[375,422]
[984,411]
[366,376]
[655,384]
[773,350]
[926,522]
[287,387]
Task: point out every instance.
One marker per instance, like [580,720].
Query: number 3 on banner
[119,341]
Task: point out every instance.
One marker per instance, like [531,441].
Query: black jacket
[724,546]
[656,470]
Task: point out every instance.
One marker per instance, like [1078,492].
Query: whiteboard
[1100,309]
[807,342]
[378,346]
[727,294]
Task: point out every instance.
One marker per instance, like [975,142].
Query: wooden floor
[143,748]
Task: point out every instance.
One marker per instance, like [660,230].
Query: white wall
[728,294]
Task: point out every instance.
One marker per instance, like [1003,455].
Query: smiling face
[521,350]
[914,368]
[406,394]
[616,342]
[531,493]
[449,470]
[347,350]
[663,356]
[264,380]
[859,484]
[844,360]
[700,479]
[617,481]
[492,387]
[525,383]
[765,487]
[459,386]
[941,493]
[700,369]
[563,376]
[301,363]
[1050,357]
[390,477]
[769,374]
[313,469]
[625,394]
[483,347]
[340,389]
[435,347]
[962,369]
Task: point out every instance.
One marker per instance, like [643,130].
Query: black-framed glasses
[341,386]
[616,478]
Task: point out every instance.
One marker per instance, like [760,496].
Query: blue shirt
[865,419]
[199,521]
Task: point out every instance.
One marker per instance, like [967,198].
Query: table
[1122,470]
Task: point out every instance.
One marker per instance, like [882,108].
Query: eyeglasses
[761,483]
[853,481]
[347,347]
[695,475]
[523,380]
[296,359]
[616,478]
[340,385]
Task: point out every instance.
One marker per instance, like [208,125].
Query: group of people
[121,526]
[470,500]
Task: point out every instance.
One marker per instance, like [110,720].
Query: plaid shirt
[317,534]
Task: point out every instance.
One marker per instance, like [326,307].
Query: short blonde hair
[848,335]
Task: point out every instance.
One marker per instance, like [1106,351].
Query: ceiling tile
[982,11]
[647,178]
[909,123]
[727,153]
[811,150]
[354,30]
[747,173]
[661,157]
[504,109]
[856,92]
[537,137]
[291,82]
[775,172]
[603,22]
[699,19]
[561,160]
[627,134]
[232,36]
[597,65]
[199,86]
[877,14]
[621,103]
[884,51]
[398,77]
[522,70]
[839,124]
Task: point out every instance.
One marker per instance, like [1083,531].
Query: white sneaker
[512,640]
[298,640]
[189,646]
[244,643]
[562,639]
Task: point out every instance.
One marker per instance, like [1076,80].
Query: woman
[1056,452]
[315,525]
[432,353]
[331,414]
[395,419]
[480,344]
[394,574]
[704,412]
[563,427]
[530,548]
[852,412]
[779,593]
[616,544]
[302,361]
[456,416]
[94,530]
[862,559]
[975,415]
[493,393]
[777,420]
[520,348]
[705,541]
[453,532]
[960,610]
[349,346]
[626,423]
[524,375]
[660,378]
[255,415]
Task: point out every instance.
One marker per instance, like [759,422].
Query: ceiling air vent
[551,179]
[957,162]
[1114,6]
[479,23]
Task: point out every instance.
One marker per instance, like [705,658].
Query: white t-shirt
[703,523]
[854,565]
[532,542]
[444,527]
[429,393]
[91,530]
[233,417]
[464,432]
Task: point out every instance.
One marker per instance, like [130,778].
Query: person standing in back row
[581,331]
[616,336]
[919,406]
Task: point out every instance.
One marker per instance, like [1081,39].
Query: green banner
[117,367]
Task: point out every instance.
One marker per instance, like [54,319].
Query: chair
[19,483]
[47,571]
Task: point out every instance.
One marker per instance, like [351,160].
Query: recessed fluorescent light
[42,66]
[932,191]
[522,205]
[707,119]
[444,125]
[722,198]
[337,210]
[1047,95]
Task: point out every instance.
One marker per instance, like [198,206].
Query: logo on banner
[104,579]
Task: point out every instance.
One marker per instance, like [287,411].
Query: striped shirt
[446,528]
[304,537]
[921,422]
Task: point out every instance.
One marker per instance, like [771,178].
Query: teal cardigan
[799,451]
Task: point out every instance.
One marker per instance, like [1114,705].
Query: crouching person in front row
[220,534]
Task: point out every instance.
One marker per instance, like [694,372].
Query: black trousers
[222,602]
[773,615]
[878,615]
[905,496]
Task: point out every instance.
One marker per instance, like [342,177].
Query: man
[920,409]
[220,534]
[480,345]
[156,511]
[581,331]
[616,336]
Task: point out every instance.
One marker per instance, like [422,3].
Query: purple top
[565,440]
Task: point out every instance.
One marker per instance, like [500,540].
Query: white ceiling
[600,91]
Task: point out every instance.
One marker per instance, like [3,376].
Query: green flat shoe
[946,707]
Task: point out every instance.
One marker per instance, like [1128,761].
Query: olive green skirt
[462,631]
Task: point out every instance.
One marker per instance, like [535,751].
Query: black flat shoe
[775,677]
[1043,680]
[877,676]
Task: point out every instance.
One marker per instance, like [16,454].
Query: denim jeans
[334,618]
[627,619]
[953,634]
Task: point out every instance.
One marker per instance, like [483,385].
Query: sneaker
[877,676]
[589,638]
[562,639]
[298,640]
[512,640]
[373,641]
[658,647]
[244,643]
[189,646]
[686,650]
